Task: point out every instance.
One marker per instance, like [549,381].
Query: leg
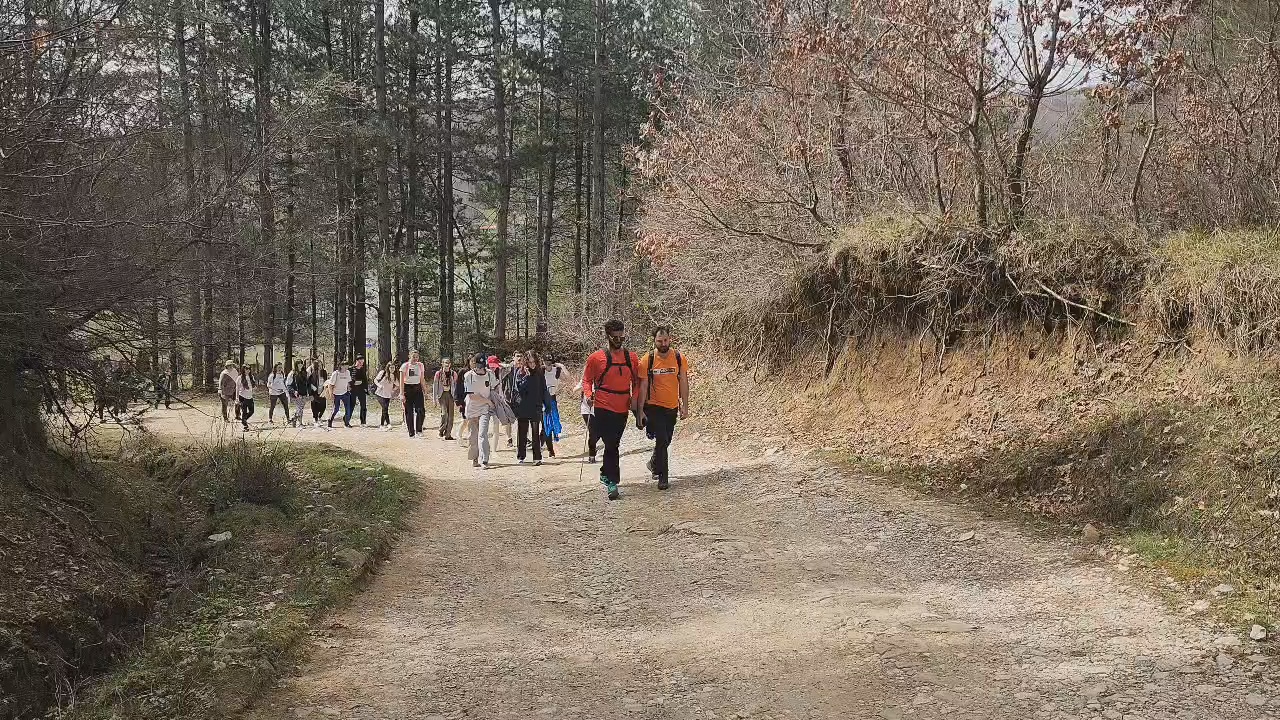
[663,421]
[610,425]
[348,399]
[523,426]
[246,412]
[363,397]
[420,409]
[465,428]
[593,434]
[473,450]
[408,410]
[483,430]
[535,432]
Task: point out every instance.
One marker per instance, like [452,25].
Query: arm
[435,389]
[684,392]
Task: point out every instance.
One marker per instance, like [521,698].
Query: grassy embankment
[134,602]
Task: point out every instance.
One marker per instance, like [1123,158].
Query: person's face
[414,356]
[360,363]
[662,342]
[616,339]
[519,362]
[447,365]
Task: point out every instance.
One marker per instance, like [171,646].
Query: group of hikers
[491,397]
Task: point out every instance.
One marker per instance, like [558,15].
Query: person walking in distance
[296,388]
[360,387]
[384,388]
[663,397]
[229,389]
[245,391]
[341,382]
[411,393]
[277,389]
[504,379]
[532,400]
[554,372]
[479,384]
[610,382]
[442,395]
[460,399]
[317,384]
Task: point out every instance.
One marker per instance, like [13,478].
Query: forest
[187,182]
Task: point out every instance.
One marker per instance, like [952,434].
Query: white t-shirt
[412,372]
[478,388]
[553,382]
[275,383]
[385,385]
[246,393]
[341,380]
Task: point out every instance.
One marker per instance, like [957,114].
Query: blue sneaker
[613,490]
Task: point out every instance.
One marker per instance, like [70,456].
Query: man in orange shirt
[664,395]
[609,383]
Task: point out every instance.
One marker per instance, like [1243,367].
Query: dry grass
[1223,285]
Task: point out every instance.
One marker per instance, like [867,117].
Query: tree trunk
[445,219]
[599,193]
[266,201]
[387,269]
[578,140]
[548,224]
[504,173]
[189,177]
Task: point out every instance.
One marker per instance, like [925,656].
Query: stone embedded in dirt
[220,537]
[1201,606]
[1255,699]
[1091,535]
[1224,589]
[1257,632]
[1093,692]
[352,558]
[1224,661]
[1227,642]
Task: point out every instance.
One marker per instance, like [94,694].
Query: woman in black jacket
[531,399]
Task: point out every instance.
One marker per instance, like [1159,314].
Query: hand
[640,420]
[684,413]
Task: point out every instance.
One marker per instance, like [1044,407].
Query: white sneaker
[520,461]
[484,466]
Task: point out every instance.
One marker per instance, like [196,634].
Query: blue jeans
[338,401]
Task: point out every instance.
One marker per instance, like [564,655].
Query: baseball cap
[494,361]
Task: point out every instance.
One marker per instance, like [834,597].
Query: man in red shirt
[610,383]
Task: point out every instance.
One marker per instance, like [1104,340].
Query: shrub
[248,472]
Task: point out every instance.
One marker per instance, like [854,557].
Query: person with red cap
[610,383]
[505,375]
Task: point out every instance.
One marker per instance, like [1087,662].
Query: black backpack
[608,364]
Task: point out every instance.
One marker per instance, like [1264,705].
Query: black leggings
[529,429]
[593,437]
[386,411]
[246,411]
[318,404]
[280,400]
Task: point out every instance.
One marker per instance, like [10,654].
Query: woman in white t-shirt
[276,388]
[384,388]
[413,393]
[245,391]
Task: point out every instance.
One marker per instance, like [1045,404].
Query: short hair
[444,360]
[613,326]
[662,330]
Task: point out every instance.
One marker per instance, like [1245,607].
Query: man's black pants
[661,422]
[609,426]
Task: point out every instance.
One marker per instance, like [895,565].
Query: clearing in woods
[755,587]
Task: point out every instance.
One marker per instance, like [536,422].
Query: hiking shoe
[613,491]
[537,462]
[663,484]
[520,461]
[484,466]
[475,463]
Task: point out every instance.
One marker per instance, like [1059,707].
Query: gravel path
[762,587]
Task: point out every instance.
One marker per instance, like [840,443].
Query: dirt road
[756,587]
